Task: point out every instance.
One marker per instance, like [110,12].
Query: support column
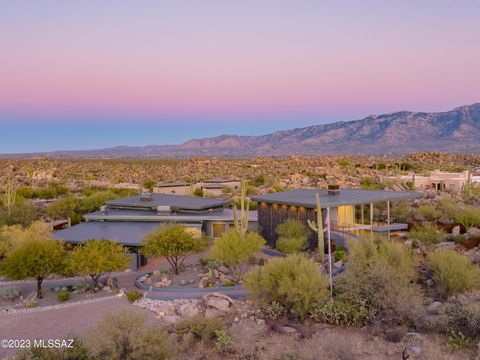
[371,218]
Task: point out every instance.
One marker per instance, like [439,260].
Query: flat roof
[173,201]
[149,215]
[130,233]
[219,180]
[307,197]
[172,184]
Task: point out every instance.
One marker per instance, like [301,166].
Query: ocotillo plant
[241,224]
[318,228]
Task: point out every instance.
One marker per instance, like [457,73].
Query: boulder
[338,264]
[188,310]
[213,313]
[445,245]
[473,233]
[218,301]
[434,307]
[172,319]
[286,330]
[456,230]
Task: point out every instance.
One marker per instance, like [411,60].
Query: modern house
[440,180]
[351,211]
[128,220]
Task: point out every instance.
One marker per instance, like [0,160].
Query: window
[218,229]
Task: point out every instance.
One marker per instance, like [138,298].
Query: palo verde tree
[235,249]
[175,243]
[97,258]
[34,258]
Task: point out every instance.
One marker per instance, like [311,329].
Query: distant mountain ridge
[395,133]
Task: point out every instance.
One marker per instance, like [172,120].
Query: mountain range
[396,133]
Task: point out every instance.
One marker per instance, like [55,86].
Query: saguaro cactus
[318,228]
[468,185]
[241,223]
[10,197]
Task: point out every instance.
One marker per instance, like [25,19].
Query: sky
[93,74]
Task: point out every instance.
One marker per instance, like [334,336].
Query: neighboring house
[177,188]
[216,186]
[128,220]
[351,210]
[440,180]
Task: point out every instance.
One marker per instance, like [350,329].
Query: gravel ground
[59,323]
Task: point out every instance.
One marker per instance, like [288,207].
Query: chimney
[333,189]
[146,196]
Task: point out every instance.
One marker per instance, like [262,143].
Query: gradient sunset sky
[92,74]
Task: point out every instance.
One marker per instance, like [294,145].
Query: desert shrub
[201,328]
[427,234]
[339,253]
[134,295]
[428,212]
[370,184]
[235,250]
[81,287]
[402,211]
[228,283]
[78,351]
[273,311]
[125,336]
[9,293]
[344,313]
[295,282]
[452,272]
[456,341]
[469,216]
[224,341]
[379,277]
[292,236]
[462,314]
[63,296]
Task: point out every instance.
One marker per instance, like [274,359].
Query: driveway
[59,323]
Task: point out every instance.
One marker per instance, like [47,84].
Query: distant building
[439,180]
[216,186]
[128,220]
[176,188]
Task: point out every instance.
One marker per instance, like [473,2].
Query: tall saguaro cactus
[318,228]
[241,223]
[10,197]
[468,185]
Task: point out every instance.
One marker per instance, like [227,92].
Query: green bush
[81,287]
[344,313]
[228,283]
[291,245]
[457,341]
[235,250]
[224,341]
[428,212]
[295,282]
[339,253]
[9,293]
[469,216]
[201,328]
[125,335]
[379,277]
[427,234]
[63,296]
[134,295]
[452,272]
